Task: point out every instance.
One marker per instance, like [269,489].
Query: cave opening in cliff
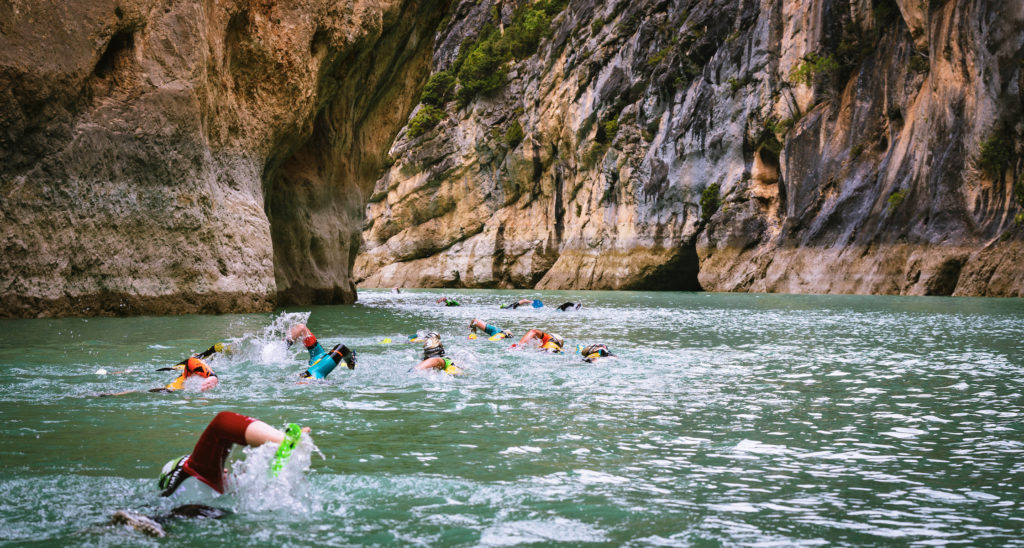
[677,274]
[117,53]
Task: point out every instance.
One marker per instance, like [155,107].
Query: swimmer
[433,357]
[536,303]
[548,341]
[192,367]
[321,362]
[566,306]
[218,347]
[153,525]
[206,462]
[396,290]
[593,352]
[447,301]
[487,328]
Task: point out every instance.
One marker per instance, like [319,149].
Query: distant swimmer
[190,367]
[593,352]
[567,306]
[434,358]
[548,341]
[206,462]
[447,301]
[536,303]
[218,347]
[396,290]
[493,332]
[321,362]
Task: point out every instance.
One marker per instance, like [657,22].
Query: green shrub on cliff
[896,198]
[514,135]
[428,117]
[528,28]
[709,201]
[481,67]
[812,67]
[996,153]
[609,129]
[438,89]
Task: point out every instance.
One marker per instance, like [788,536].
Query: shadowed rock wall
[831,146]
[185,156]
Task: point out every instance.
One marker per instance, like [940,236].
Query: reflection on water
[734,419]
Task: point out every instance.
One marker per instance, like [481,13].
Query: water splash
[267,347]
[255,490]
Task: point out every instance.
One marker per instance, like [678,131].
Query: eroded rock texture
[844,146]
[185,156]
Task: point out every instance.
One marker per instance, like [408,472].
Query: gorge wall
[178,156]
[183,156]
[828,146]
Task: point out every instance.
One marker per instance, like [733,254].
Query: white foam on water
[540,531]
[255,490]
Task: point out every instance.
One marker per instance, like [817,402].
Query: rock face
[185,156]
[827,146]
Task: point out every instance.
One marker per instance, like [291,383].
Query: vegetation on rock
[709,201]
[427,117]
[482,65]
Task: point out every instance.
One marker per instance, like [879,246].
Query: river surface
[726,419]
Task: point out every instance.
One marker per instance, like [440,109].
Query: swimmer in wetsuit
[487,328]
[189,367]
[447,301]
[206,462]
[548,341]
[593,352]
[321,362]
[433,357]
[569,305]
[536,303]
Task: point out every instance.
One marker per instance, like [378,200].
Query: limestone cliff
[843,146]
[174,156]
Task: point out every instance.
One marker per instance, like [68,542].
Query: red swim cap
[309,341]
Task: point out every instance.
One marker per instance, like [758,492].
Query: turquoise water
[726,419]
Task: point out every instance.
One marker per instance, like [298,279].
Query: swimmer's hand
[208,384]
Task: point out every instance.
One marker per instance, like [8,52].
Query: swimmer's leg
[117,393]
[211,451]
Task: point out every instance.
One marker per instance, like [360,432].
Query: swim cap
[172,474]
[432,347]
[557,340]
